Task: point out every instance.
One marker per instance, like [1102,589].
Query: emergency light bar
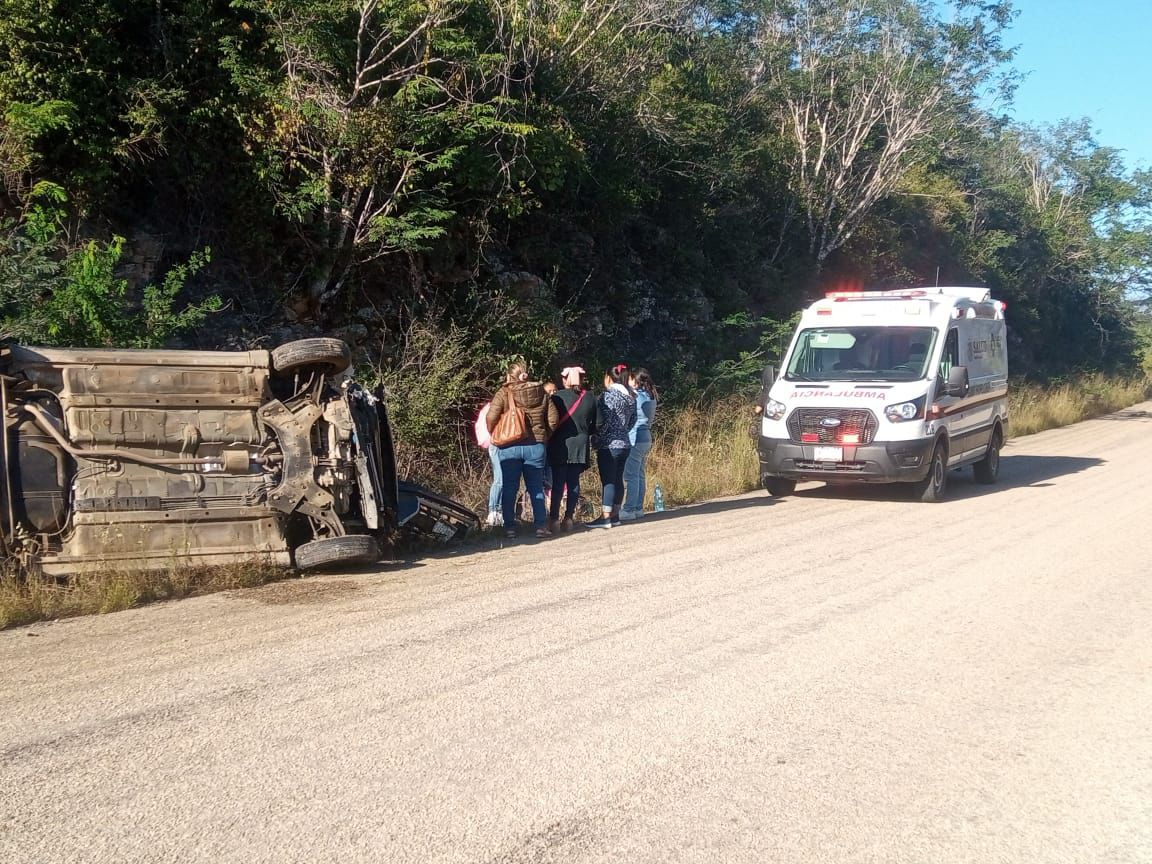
[976,295]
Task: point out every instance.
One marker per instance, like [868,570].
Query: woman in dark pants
[569,447]
[615,415]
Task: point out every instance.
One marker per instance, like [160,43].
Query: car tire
[988,469]
[337,551]
[779,487]
[331,356]
[931,489]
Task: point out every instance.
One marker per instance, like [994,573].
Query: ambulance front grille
[829,425]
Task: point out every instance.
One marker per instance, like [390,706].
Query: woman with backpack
[641,437]
[569,447]
[615,415]
[484,439]
[519,420]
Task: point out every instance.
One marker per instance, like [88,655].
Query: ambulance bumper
[889,462]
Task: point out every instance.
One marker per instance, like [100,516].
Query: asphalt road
[835,677]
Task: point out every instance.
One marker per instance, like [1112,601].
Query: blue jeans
[525,460]
[634,482]
[611,466]
[497,480]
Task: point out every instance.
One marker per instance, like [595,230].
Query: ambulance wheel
[931,488]
[779,487]
[988,468]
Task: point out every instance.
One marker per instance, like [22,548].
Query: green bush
[61,294]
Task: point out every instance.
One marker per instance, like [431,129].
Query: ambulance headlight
[903,411]
[774,410]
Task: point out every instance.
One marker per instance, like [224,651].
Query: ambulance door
[977,353]
[956,414]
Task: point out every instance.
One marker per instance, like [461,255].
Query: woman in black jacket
[569,448]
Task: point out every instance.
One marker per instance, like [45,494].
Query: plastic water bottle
[658,499]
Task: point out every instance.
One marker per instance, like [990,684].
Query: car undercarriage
[140,459]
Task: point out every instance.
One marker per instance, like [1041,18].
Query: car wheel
[931,488]
[779,487]
[988,468]
[331,356]
[335,551]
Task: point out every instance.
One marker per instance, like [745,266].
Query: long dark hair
[620,374]
[644,382]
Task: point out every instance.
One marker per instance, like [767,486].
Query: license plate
[442,530]
[828,454]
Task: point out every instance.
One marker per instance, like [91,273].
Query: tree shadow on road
[1016,471]
[1130,414]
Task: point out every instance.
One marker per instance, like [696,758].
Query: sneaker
[629,515]
[495,519]
[602,522]
[616,523]
[543,532]
[511,535]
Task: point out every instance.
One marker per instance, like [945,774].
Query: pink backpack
[483,436]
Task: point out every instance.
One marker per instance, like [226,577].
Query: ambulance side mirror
[957,382]
[768,378]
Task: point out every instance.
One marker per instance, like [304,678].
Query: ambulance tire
[988,468]
[931,489]
[779,487]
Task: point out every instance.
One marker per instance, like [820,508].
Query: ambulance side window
[951,355]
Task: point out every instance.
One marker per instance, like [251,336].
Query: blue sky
[1088,58]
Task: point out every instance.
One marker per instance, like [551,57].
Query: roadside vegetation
[1035,408]
[24,600]
[654,181]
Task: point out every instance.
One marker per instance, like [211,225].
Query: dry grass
[24,599]
[704,451]
[1033,408]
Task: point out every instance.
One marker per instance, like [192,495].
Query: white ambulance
[889,386]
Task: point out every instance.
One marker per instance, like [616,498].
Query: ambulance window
[951,355]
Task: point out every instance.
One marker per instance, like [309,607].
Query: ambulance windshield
[861,354]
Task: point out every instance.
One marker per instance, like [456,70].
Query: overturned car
[139,459]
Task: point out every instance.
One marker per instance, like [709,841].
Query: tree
[862,91]
[366,116]
[53,292]
[1060,228]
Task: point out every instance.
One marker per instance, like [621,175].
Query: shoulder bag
[512,427]
[572,410]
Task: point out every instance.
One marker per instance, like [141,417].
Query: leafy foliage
[53,294]
[661,181]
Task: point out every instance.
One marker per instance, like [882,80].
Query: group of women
[561,427]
